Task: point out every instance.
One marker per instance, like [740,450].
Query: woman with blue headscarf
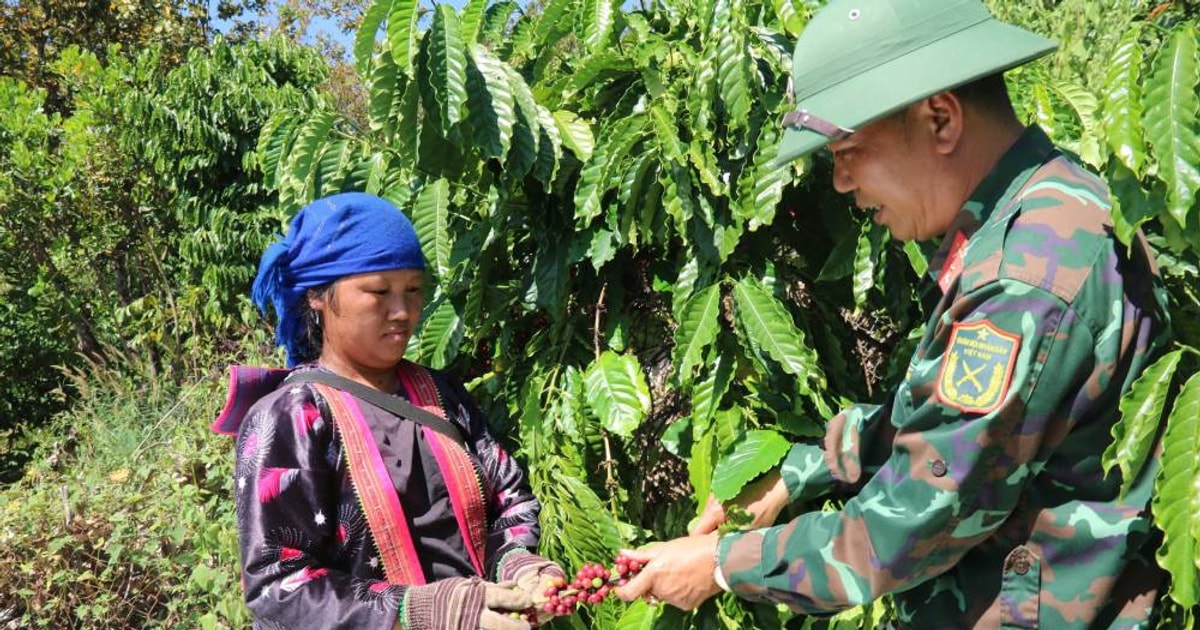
[369,491]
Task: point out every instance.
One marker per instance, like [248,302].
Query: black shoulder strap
[391,404]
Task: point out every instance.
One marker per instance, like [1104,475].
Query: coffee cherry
[592,584]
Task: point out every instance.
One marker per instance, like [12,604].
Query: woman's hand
[534,575]
[464,604]
[502,600]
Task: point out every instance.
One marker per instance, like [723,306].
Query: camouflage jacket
[978,497]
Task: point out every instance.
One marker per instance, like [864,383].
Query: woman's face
[368,318]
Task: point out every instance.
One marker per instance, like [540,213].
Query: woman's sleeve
[288,484]
[1000,368]
[512,508]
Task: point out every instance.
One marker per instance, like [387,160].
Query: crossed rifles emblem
[976,380]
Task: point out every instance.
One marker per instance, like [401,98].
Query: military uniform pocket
[1020,590]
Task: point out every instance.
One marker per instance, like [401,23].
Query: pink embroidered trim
[462,481]
[380,503]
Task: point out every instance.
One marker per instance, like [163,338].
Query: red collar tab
[954,263]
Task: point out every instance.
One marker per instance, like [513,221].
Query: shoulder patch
[977,367]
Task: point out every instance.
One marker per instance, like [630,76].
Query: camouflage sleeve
[974,420]
[849,454]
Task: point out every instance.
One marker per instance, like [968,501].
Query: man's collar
[1024,157]
[1028,153]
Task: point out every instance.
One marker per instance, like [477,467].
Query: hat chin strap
[803,119]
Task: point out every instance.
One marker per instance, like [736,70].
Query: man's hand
[679,572]
[764,499]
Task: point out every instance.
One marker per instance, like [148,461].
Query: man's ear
[942,118]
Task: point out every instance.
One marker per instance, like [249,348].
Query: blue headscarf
[330,238]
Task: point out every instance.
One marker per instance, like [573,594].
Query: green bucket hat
[859,60]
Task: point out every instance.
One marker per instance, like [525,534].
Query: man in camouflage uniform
[976,493]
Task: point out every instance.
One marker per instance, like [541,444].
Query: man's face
[890,168]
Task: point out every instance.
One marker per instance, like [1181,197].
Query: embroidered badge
[977,367]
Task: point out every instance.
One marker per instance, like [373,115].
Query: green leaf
[677,437]
[527,134]
[1085,105]
[756,453]
[1172,124]
[1177,496]
[364,40]
[556,20]
[790,17]
[402,33]
[733,65]
[698,327]
[866,256]
[405,138]
[493,112]
[701,95]
[589,191]
[602,248]
[700,464]
[472,19]
[635,184]
[762,184]
[685,283]
[274,141]
[584,522]
[609,156]
[440,335]
[710,390]
[431,220]
[1141,412]
[617,392]
[549,149]
[840,262]
[575,133]
[548,278]
[916,258]
[776,48]
[597,18]
[702,157]
[496,18]
[662,117]
[381,91]
[1122,116]
[1043,109]
[1131,205]
[639,616]
[768,324]
[376,173]
[447,67]
[335,163]
[294,187]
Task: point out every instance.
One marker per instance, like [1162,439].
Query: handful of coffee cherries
[592,584]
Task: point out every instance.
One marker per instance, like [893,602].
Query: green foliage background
[644,307]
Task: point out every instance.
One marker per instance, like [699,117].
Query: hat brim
[960,58]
